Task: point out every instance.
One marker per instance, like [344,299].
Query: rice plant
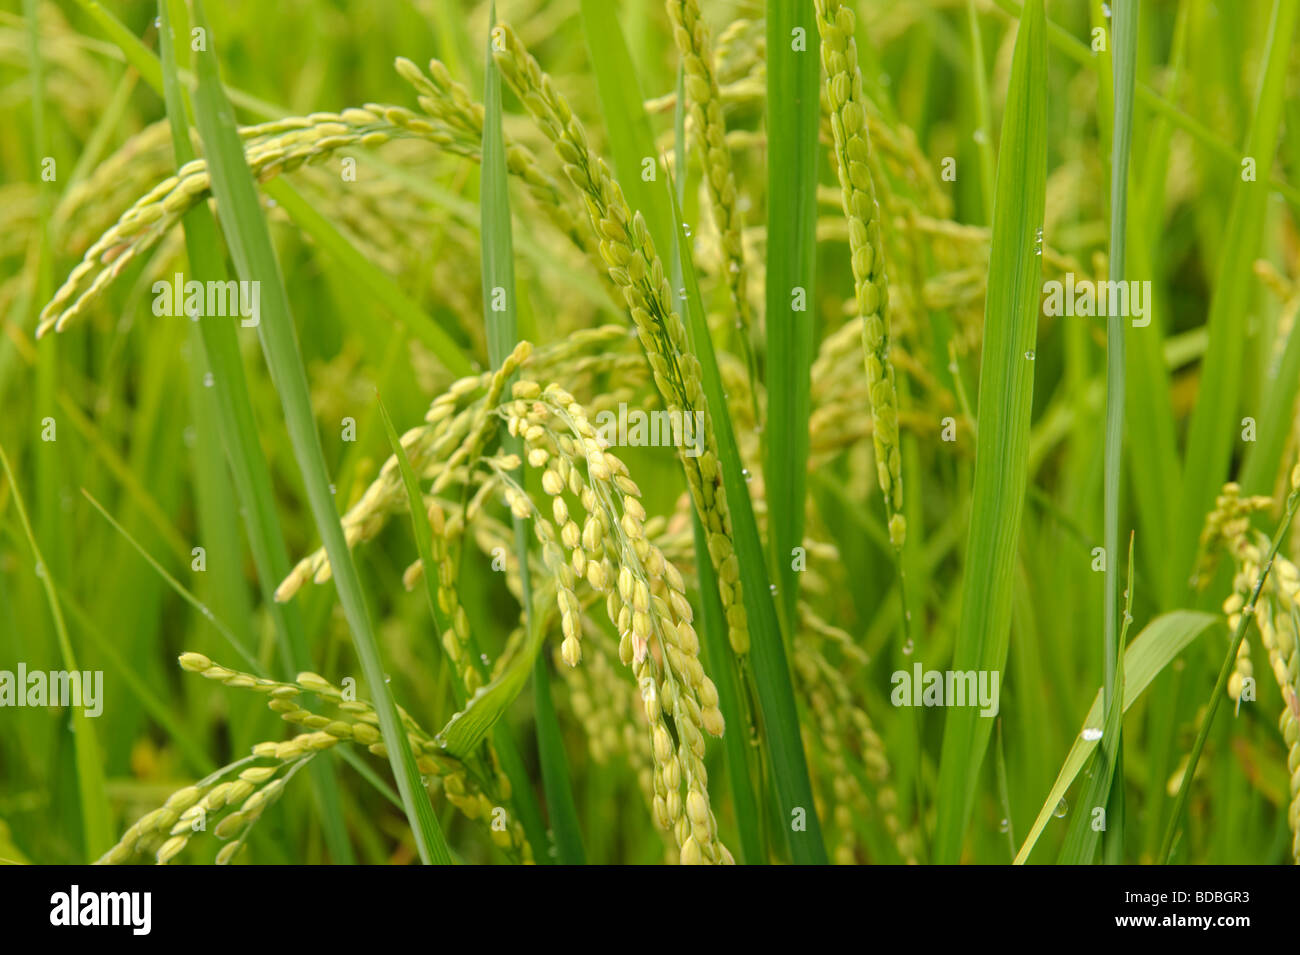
[852,431]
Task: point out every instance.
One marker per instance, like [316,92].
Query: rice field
[586,432]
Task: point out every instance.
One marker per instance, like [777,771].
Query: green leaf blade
[1005,405]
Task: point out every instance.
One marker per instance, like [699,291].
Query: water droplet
[157,22]
[1091,734]
[735,267]
[40,569]
[190,437]
[772,587]
[980,136]
[907,647]
[1038,241]
[681,292]
[1004,825]
[686,227]
[387,678]
[206,611]
[1105,10]
[1061,809]
[333,489]
[1029,355]
[484,658]
[208,380]
[744,472]
[271,203]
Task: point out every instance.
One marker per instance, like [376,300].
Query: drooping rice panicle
[835,23]
[645,599]
[626,246]
[710,134]
[467,787]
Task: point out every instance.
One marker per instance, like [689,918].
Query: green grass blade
[172,722]
[468,728]
[1082,54]
[88,759]
[1215,423]
[237,430]
[1159,643]
[1124,47]
[771,670]
[184,593]
[371,278]
[135,52]
[793,113]
[720,663]
[1280,388]
[1005,403]
[980,85]
[1082,840]
[91,788]
[250,244]
[622,104]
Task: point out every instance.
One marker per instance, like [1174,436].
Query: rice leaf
[1082,54]
[793,113]
[1005,402]
[1124,31]
[91,788]
[237,430]
[1214,425]
[373,280]
[1105,778]
[249,240]
[771,670]
[1158,645]
[622,104]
